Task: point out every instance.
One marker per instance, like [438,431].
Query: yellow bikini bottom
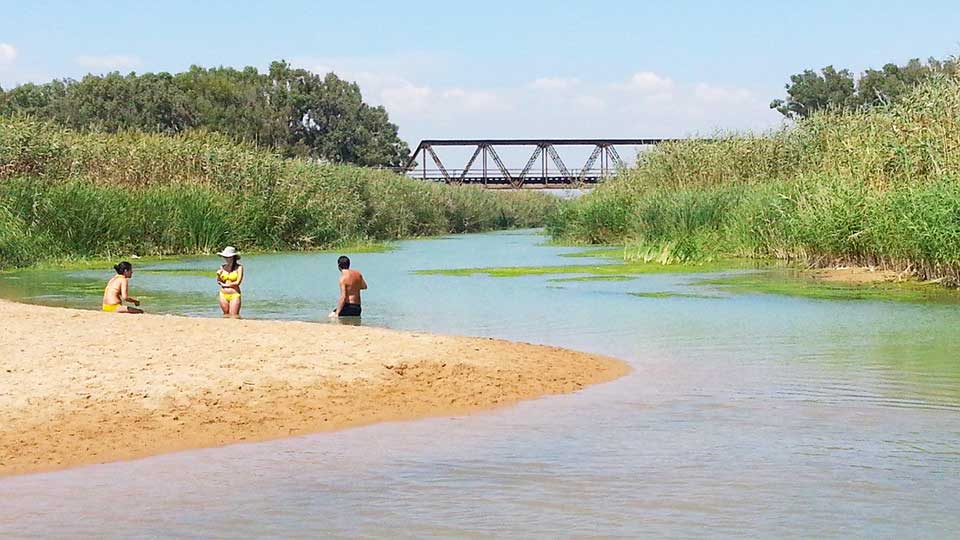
[110,308]
[229,297]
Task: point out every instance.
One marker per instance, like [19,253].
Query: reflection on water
[755,415]
[347,321]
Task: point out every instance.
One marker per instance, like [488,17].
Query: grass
[71,195]
[878,187]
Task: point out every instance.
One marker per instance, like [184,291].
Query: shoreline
[80,387]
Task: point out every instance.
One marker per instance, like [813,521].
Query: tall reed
[110,194]
[879,187]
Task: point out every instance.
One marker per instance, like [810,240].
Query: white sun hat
[228,251]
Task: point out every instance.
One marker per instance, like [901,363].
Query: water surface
[746,414]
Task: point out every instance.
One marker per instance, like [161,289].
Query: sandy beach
[81,387]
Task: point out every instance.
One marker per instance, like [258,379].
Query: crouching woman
[116,292]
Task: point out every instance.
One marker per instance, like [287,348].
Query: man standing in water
[351,283]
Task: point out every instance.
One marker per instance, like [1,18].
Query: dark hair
[343,262]
[123,267]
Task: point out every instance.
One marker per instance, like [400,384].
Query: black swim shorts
[350,310]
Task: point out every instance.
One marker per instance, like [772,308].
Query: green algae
[605,252]
[592,278]
[673,294]
[799,283]
[102,263]
[364,247]
[613,269]
[179,272]
[93,263]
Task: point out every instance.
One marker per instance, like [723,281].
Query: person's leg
[130,310]
[224,305]
[235,306]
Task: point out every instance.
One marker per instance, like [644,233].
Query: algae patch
[672,294]
[606,252]
[801,284]
[592,278]
[613,269]
[179,272]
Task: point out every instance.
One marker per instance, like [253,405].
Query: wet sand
[81,387]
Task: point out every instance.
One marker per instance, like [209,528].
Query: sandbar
[82,387]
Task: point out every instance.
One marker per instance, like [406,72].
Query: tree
[888,84]
[35,99]
[294,111]
[809,91]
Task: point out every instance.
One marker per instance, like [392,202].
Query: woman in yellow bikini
[229,277]
[116,291]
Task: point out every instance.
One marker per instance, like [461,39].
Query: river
[745,415]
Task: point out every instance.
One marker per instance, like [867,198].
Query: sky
[498,69]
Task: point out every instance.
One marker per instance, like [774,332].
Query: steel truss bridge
[487,169]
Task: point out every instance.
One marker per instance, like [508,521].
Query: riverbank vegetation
[877,186]
[65,194]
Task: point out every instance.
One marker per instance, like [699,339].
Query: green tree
[293,111]
[810,91]
[326,116]
[888,84]
[35,99]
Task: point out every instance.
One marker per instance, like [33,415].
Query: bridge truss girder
[603,150]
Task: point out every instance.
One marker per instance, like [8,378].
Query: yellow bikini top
[228,276]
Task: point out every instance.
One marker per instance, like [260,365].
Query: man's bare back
[352,283]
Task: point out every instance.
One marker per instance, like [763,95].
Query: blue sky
[494,68]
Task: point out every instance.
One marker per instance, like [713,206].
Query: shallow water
[756,415]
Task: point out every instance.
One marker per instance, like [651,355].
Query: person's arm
[342,300]
[124,296]
[234,283]
[363,283]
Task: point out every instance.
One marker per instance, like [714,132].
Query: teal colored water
[746,414]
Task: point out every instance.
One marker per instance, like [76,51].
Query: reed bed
[79,195]
[875,187]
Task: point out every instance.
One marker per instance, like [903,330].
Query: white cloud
[555,83]
[709,93]
[396,81]
[404,97]
[476,100]
[8,54]
[590,103]
[390,80]
[109,62]
[649,82]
